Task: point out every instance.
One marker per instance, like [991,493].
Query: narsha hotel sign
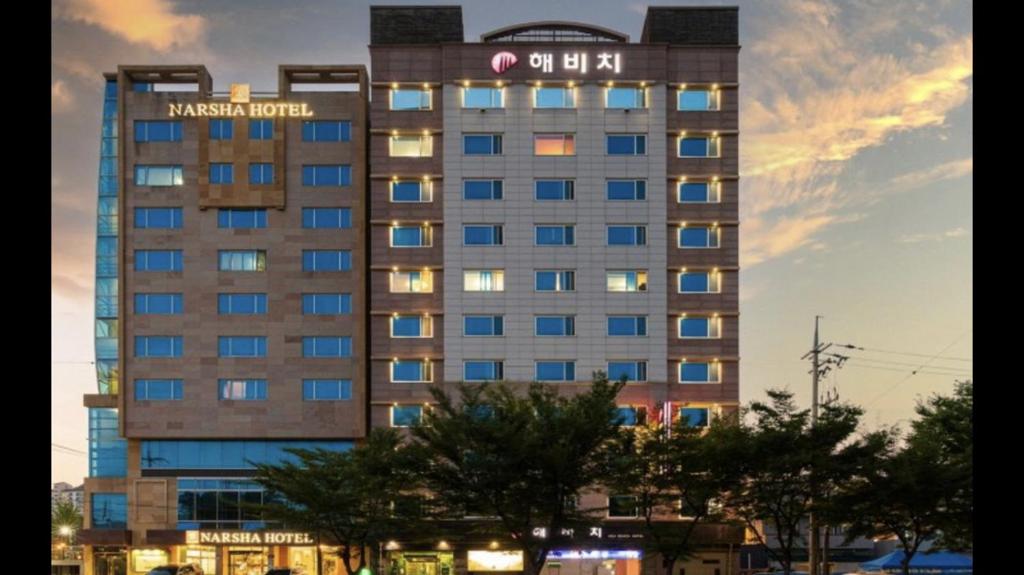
[240,106]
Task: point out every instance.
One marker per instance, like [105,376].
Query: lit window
[407,99]
[482,97]
[698,237]
[554,145]
[421,146]
[627,281]
[243,389]
[242,260]
[158,175]
[484,280]
[411,282]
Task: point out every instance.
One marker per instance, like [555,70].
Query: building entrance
[249,561]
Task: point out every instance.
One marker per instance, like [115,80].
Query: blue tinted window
[627,325]
[694,192]
[405,415]
[326,131]
[241,218]
[242,260]
[408,99]
[625,97]
[158,175]
[332,218]
[242,389]
[632,370]
[555,371]
[222,173]
[482,97]
[627,189]
[630,416]
[261,173]
[628,145]
[698,237]
[408,370]
[481,144]
[226,454]
[694,101]
[690,371]
[332,175]
[158,303]
[261,129]
[553,97]
[157,130]
[158,346]
[554,189]
[627,235]
[694,327]
[409,326]
[326,260]
[481,189]
[555,281]
[108,452]
[555,235]
[327,346]
[483,325]
[693,147]
[326,303]
[558,325]
[326,389]
[482,370]
[695,416]
[410,191]
[109,511]
[158,218]
[482,235]
[693,282]
[221,129]
[407,237]
[242,303]
[158,389]
[241,346]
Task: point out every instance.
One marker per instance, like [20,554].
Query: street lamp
[64,530]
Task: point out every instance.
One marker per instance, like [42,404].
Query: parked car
[187,569]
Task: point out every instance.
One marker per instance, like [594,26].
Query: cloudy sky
[856,165]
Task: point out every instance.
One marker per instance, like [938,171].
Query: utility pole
[812,555]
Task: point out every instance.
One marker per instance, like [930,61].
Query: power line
[66,448]
[904,370]
[888,363]
[913,373]
[876,350]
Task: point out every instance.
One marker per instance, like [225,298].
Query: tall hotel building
[544,203]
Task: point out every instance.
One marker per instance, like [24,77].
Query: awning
[942,562]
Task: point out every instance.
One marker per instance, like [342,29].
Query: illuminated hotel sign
[595,554]
[240,106]
[248,538]
[494,560]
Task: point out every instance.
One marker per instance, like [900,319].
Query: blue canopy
[941,562]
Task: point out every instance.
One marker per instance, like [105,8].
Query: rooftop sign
[240,105]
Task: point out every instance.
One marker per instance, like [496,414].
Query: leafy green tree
[520,457]
[671,472]
[785,467]
[64,514]
[355,499]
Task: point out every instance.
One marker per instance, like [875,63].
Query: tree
[948,423]
[355,499]
[785,468]
[64,514]
[673,471]
[522,459]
